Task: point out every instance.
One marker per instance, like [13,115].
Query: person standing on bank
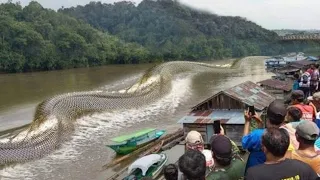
[314,82]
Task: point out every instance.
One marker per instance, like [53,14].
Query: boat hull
[124,149]
[152,172]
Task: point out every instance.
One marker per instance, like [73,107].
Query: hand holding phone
[252,110]
[216,127]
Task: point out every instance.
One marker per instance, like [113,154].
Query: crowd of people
[222,162]
[308,81]
[284,147]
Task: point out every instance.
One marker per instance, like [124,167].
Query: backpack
[305,78]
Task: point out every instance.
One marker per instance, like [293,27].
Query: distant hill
[33,38]
[170,30]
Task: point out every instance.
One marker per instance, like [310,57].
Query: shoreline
[156,62]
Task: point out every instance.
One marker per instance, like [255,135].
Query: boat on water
[275,62]
[294,57]
[128,143]
[279,61]
[147,166]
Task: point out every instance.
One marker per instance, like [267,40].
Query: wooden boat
[128,143]
[147,166]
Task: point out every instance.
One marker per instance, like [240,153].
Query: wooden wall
[225,102]
[221,101]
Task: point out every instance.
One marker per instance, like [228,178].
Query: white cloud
[271,14]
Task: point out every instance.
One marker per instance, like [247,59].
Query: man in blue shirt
[251,141]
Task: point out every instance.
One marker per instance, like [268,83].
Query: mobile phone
[216,127]
[252,111]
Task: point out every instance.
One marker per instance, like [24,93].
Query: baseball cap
[315,96]
[194,137]
[297,94]
[308,130]
[276,111]
[221,146]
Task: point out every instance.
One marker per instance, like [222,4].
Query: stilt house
[228,107]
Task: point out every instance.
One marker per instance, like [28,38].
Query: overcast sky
[271,14]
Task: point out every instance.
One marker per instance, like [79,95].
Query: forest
[34,38]
[37,39]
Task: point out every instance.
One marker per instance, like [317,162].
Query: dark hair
[170,172]
[276,112]
[295,113]
[300,100]
[316,66]
[305,141]
[193,165]
[296,76]
[276,140]
[222,161]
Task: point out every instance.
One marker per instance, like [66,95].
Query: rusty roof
[287,69]
[209,116]
[302,63]
[248,93]
[277,84]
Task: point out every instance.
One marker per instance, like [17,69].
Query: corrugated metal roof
[251,94]
[277,84]
[300,64]
[225,117]
[287,69]
[248,93]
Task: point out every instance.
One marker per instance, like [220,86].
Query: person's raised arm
[247,119]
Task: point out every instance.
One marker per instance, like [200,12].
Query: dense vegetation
[174,31]
[33,38]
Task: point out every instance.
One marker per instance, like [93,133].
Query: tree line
[34,38]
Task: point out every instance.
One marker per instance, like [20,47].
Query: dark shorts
[306,91]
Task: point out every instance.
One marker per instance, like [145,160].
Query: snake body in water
[54,119]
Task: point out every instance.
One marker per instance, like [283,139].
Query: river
[83,155]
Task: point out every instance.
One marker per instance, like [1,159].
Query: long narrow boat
[128,143]
[147,166]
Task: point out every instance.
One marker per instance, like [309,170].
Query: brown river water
[83,156]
